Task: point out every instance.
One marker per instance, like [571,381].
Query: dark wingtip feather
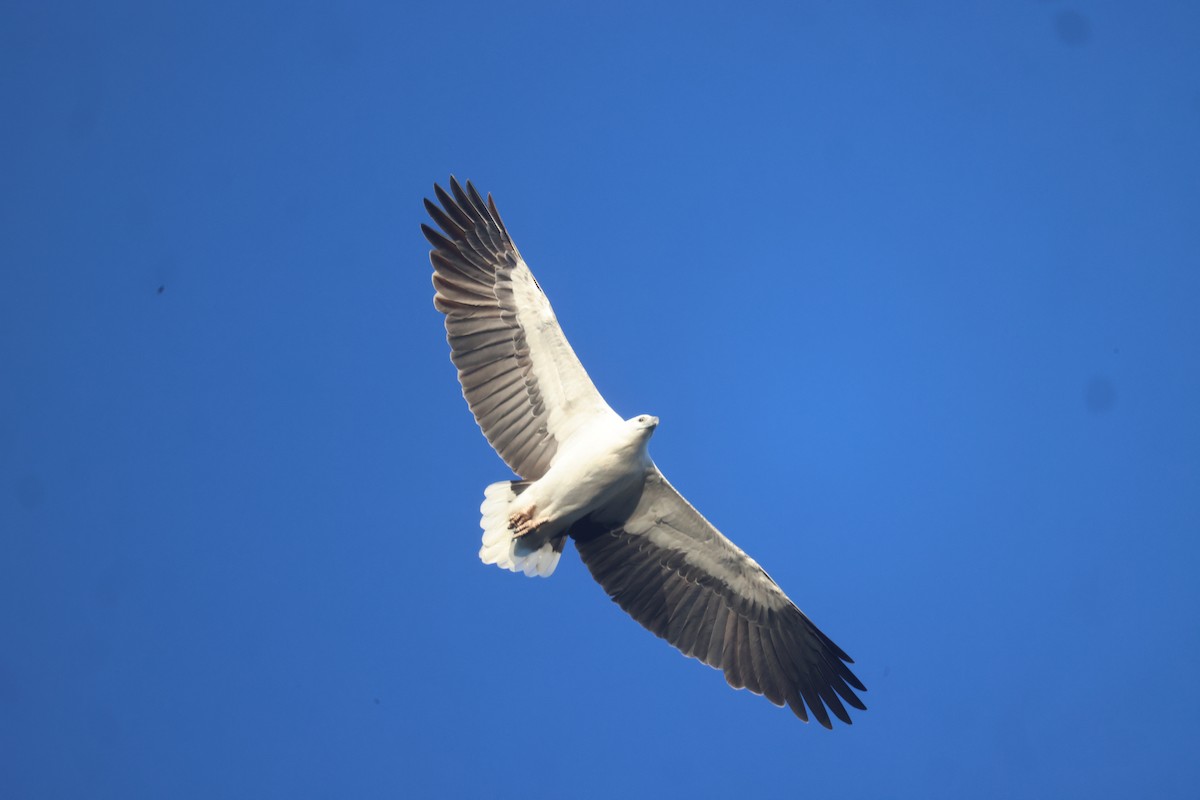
[797,707]
[452,229]
[457,214]
[459,195]
[439,193]
[853,700]
[834,704]
[436,239]
[491,204]
[476,200]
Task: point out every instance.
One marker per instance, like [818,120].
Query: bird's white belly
[586,476]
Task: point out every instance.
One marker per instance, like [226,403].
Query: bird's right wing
[672,571]
[519,375]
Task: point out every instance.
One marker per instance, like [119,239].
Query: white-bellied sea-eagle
[586,474]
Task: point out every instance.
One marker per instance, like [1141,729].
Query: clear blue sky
[914,287]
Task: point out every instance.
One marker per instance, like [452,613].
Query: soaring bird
[586,474]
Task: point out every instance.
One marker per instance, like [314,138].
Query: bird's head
[646,423]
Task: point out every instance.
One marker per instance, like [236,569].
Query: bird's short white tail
[530,554]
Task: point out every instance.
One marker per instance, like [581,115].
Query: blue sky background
[914,287]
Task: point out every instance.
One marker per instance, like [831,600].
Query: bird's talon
[521,523]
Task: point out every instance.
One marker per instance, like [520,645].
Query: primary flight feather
[586,474]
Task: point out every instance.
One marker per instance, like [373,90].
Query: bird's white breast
[594,466]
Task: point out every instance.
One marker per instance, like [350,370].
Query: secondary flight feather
[586,474]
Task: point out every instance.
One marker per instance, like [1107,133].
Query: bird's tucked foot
[522,523]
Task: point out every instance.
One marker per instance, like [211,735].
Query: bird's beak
[654,422]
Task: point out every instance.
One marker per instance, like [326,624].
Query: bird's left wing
[522,380]
[673,572]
